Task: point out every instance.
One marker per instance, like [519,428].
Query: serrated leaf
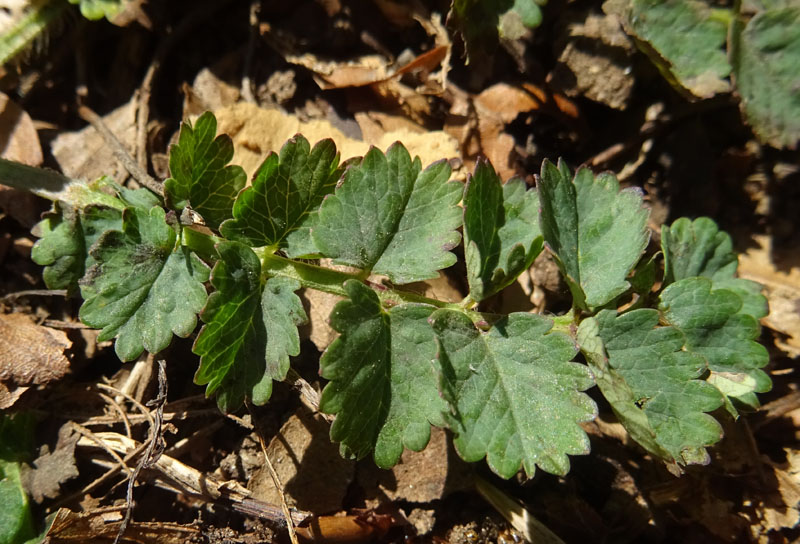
[280,208]
[515,396]
[391,217]
[250,331]
[283,312]
[699,248]
[765,55]
[66,236]
[642,371]
[596,231]
[501,231]
[715,328]
[383,385]
[144,287]
[200,174]
[685,39]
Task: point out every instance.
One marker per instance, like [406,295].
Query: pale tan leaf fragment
[779,272]
[420,477]
[315,477]
[51,469]
[31,354]
[85,155]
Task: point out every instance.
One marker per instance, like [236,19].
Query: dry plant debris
[368,74]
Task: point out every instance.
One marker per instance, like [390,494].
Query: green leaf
[765,55]
[97,9]
[144,286]
[66,236]
[715,328]
[501,231]
[685,39]
[383,384]
[280,208]
[248,334]
[16,522]
[596,231]
[283,312]
[16,440]
[652,384]
[699,248]
[391,217]
[515,396]
[200,177]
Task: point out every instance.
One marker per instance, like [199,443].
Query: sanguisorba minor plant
[511,388]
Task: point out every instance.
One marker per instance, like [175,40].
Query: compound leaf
[714,327]
[765,55]
[142,288]
[596,231]
[250,331]
[685,39]
[699,248]
[391,217]
[199,175]
[280,208]
[515,396]
[652,384]
[383,385]
[501,231]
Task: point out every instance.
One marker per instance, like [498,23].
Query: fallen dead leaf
[208,92]
[85,155]
[479,124]
[419,477]
[779,273]
[19,142]
[257,131]
[315,477]
[51,469]
[30,354]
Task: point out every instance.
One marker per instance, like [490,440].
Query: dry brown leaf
[420,477]
[208,92]
[19,140]
[85,155]
[101,526]
[479,124]
[257,131]
[10,395]
[315,477]
[51,469]
[30,354]
[779,273]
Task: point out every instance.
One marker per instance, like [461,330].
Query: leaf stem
[51,185]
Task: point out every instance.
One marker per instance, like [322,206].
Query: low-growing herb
[665,349]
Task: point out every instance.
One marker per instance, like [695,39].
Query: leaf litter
[497,116]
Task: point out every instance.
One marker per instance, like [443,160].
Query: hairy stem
[51,185]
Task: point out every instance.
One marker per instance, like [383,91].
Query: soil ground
[528,100]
